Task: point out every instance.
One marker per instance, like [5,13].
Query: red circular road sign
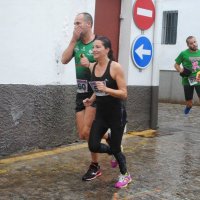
[144,14]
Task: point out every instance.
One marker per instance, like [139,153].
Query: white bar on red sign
[144,12]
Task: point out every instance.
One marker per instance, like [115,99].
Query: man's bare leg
[84,120]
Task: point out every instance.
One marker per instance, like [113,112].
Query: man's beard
[194,48]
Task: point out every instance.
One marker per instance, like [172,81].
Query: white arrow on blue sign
[141,52]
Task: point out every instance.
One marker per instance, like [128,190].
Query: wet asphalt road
[164,167]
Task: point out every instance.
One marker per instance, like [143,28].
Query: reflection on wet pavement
[165,167]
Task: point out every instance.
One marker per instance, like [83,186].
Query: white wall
[188,24]
[129,32]
[33,34]
[136,76]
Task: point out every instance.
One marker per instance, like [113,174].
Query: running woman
[109,85]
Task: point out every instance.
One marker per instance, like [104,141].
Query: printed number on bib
[95,89]
[82,86]
[192,80]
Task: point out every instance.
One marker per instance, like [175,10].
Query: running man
[190,60]
[81,48]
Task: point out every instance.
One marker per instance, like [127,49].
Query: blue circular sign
[141,52]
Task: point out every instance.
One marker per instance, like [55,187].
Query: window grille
[169,27]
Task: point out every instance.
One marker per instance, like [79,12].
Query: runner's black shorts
[189,91]
[79,101]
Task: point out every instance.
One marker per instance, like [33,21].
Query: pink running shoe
[123,181]
[113,162]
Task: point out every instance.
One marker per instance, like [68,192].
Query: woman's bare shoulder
[91,66]
[116,66]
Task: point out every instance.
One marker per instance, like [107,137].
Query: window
[169,27]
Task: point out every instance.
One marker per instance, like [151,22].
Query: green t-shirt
[83,74]
[191,61]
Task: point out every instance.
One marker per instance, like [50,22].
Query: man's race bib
[192,80]
[95,89]
[82,86]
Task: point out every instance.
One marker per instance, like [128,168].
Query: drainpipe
[154,79]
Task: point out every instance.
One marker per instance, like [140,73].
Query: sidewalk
[165,167]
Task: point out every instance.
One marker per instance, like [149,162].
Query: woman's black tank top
[106,100]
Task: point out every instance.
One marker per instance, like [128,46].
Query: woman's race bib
[95,89]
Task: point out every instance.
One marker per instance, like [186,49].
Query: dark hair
[188,38]
[87,17]
[107,44]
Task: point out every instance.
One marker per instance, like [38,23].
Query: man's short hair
[188,38]
[87,17]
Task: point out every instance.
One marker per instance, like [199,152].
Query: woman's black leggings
[99,128]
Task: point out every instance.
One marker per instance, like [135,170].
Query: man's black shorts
[189,91]
[79,101]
